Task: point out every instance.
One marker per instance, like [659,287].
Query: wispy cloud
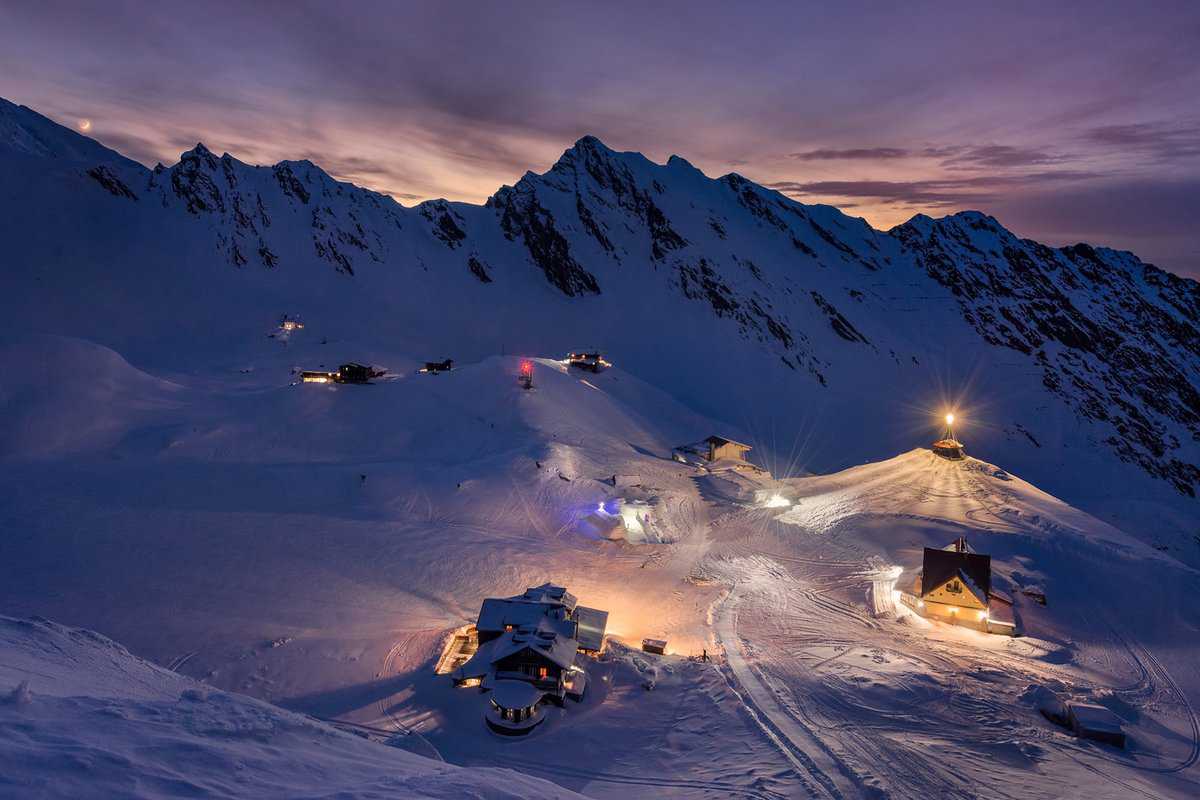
[453,99]
[996,156]
[932,193]
[1158,140]
[853,154]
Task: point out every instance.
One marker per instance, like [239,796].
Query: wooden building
[955,586]
[715,450]
[720,448]
[541,637]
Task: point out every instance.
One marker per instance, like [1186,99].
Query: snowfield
[89,720]
[285,562]
[313,546]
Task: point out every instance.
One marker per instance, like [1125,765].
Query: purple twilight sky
[1067,121]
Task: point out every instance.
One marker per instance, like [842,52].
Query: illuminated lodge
[540,639]
[955,586]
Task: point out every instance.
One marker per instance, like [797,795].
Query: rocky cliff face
[719,268]
[1116,339]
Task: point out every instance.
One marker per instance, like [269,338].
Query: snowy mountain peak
[820,301]
[25,132]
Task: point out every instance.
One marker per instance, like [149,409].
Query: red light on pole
[527,374]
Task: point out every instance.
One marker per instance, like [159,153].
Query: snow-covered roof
[549,593]
[537,602]
[516,694]
[1091,717]
[551,639]
[496,613]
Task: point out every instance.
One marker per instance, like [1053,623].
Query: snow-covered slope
[80,717]
[1078,366]
[312,546]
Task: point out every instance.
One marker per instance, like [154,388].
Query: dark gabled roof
[940,566]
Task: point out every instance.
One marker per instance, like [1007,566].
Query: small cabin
[591,360]
[656,646]
[354,373]
[434,367]
[317,376]
[720,448]
[716,453]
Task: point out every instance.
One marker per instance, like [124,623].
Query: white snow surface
[222,526]
[168,485]
[98,722]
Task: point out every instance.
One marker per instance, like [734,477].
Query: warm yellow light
[85,125]
[949,419]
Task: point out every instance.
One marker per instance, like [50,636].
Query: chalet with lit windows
[955,586]
[542,637]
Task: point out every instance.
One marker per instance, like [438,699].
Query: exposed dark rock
[841,326]
[478,269]
[104,176]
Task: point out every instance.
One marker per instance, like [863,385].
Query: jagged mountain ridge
[605,242]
